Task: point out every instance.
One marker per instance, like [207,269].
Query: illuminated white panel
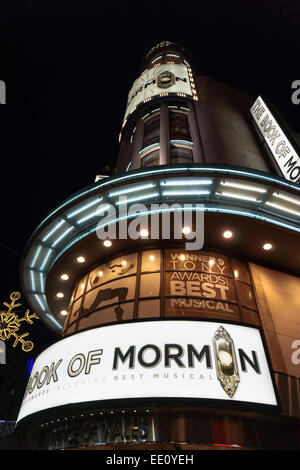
[282,150]
[147,86]
[151,361]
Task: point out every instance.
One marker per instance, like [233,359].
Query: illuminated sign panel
[163,79]
[182,359]
[283,152]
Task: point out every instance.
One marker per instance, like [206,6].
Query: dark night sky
[68,66]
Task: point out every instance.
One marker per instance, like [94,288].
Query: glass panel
[114,269]
[113,292]
[150,285]
[177,306]
[151,159]
[149,308]
[179,127]
[151,260]
[181,155]
[246,295]
[75,310]
[240,271]
[80,287]
[248,316]
[108,315]
[73,295]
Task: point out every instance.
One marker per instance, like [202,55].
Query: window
[180,155]
[151,130]
[179,127]
[151,159]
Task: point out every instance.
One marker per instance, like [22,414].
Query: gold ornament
[10,323]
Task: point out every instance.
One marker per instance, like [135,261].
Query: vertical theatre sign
[282,150]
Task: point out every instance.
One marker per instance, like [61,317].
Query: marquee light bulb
[151,257]
[182,257]
[124,263]
[267,246]
[186,230]
[144,233]
[100,273]
[227,234]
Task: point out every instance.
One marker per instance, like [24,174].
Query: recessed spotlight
[267,246]
[144,233]
[59,295]
[81,259]
[186,230]
[107,243]
[227,234]
[64,312]
[64,277]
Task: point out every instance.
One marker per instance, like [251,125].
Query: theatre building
[173,284]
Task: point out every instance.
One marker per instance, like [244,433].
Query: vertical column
[137,145]
[197,150]
[123,156]
[164,139]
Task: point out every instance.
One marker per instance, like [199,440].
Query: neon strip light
[86,206]
[42,282]
[287,198]
[62,236]
[32,280]
[39,301]
[94,214]
[156,59]
[237,196]
[46,259]
[141,198]
[131,190]
[54,321]
[53,230]
[152,146]
[186,182]
[243,186]
[36,256]
[282,208]
[185,193]
[243,173]
[182,142]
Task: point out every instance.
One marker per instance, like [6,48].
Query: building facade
[175,282]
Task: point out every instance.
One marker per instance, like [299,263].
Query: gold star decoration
[10,323]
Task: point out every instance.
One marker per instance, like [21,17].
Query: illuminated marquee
[160,81]
[282,150]
[171,358]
